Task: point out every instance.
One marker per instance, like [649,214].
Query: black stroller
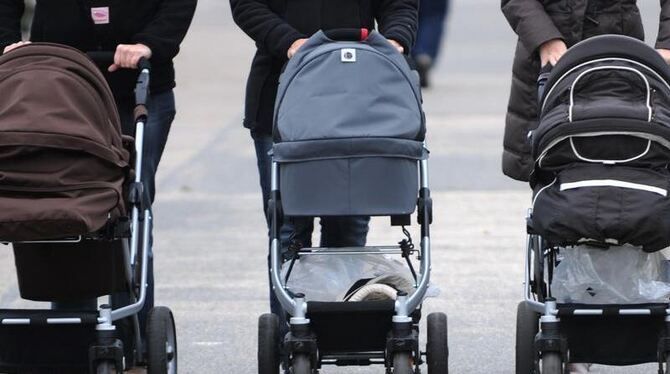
[72,208]
[348,132]
[601,178]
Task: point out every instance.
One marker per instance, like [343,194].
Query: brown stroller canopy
[62,160]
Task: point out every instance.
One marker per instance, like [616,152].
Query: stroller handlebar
[353,35]
[542,79]
[142,84]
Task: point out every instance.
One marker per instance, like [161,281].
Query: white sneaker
[579,368]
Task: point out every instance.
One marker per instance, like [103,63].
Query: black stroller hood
[609,84]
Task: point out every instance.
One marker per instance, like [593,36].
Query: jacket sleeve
[264,26]
[11,12]
[530,21]
[166,30]
[399,20]
[663,40]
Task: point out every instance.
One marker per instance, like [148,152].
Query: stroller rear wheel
[552,363]
[527,327]
[268,344]
[402,363]
[437,347]
[301,364]
[161,342]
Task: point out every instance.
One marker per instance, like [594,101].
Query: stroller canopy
[606,85]
[348,99]
[58,96]
[62,159]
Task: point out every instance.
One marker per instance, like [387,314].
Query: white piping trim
[610,67]
[613,183]
[608,162]
[652,71]
[542,190]
[657,139]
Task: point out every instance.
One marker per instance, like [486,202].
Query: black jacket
[159,24]
[538,21]
[275,24]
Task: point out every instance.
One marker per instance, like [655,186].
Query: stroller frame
[550,347]
[301,343]
[107,354]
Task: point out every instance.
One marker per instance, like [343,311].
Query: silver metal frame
[404,305]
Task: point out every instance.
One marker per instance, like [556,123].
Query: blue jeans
[432,15]
[335,231]
[162,111]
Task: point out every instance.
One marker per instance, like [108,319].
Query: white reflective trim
[608,162]
[613,183]
[63,321]
[591,70]
[16,321]
[642,135]
[654,73]
[542,190]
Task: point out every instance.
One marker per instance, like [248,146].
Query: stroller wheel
[402,363]
[552,363]
[161,342]
[437,348]
[268,344]
[301,364]
[106,367]
[526,328]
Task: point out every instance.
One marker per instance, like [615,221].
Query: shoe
[423,65]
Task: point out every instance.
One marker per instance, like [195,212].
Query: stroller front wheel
[106,367]
[527,326]
[302,364]
[402,363]
[437,348]
[552,363]
[268,344]
[161,342]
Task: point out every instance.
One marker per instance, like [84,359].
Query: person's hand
[295,47]
[128,55]
[552,51]
[14,46]
[665,53]
[397,45]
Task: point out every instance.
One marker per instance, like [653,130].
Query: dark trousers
[432,15]
[162,111]
[335,231]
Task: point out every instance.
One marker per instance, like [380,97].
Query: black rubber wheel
[437,346]
[268,344]
[527,327]
[161,342]
[402,363]
[105,367]
[552,363]
[301,364]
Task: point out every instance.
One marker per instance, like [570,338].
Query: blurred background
[210,245]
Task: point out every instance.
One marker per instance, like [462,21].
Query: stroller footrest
[46,317]
[566,310]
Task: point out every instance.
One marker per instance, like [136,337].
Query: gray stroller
[348,132]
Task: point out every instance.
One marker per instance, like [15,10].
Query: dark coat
[538,21]
[159,24]
[275,24]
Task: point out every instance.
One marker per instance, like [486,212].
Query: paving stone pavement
[210,234]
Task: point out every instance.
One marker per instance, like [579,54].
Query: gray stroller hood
[348,99]
[348,129]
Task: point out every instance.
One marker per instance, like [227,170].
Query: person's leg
[432,14]
[344,231]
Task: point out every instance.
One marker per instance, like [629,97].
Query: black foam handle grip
[353,35]
[542,79]
[107,58]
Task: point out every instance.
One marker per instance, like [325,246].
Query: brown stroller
[71,206]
